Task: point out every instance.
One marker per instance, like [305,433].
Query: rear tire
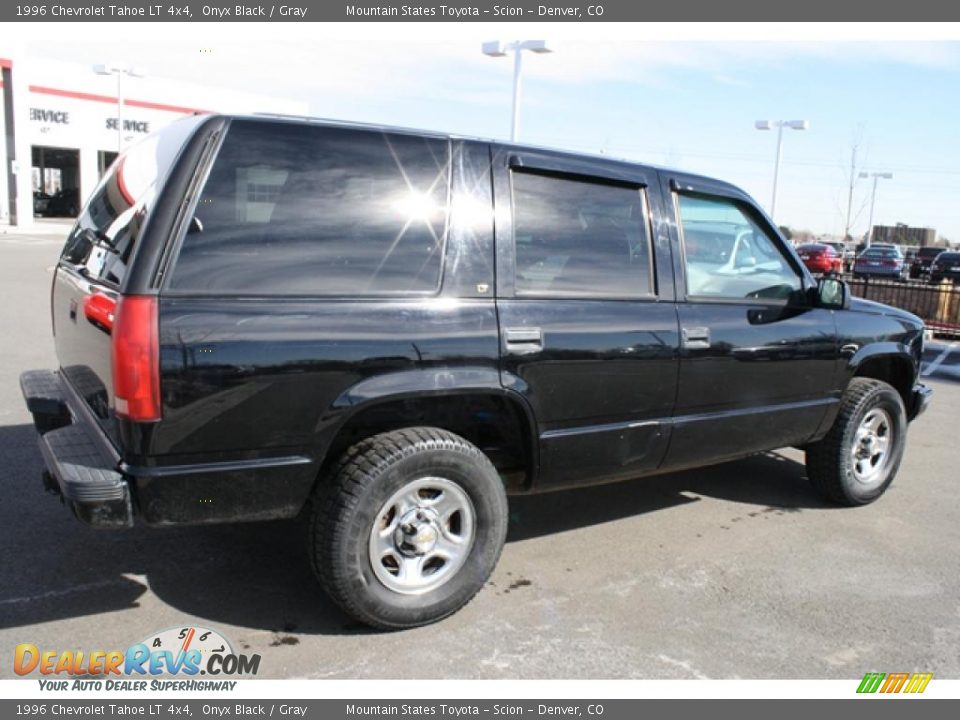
[408,527]
[857,460]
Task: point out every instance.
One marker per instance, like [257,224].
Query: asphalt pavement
[734,571]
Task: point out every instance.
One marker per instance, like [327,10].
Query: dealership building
[62,125]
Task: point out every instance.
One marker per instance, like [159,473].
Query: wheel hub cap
[422,535]
[870,453]
[417,533]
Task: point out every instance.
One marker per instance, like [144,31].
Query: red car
[820,258]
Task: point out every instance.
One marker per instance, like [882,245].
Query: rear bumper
[919,400]
[77,464]
[83,466]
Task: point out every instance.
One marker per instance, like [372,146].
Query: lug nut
[409,529]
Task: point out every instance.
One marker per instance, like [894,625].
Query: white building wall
[65,105]
[4,210]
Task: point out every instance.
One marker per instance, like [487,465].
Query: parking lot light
[873,198]
[780,125]
[118,69]
[497,49]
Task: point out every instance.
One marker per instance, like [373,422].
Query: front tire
[857,460]
[408,527]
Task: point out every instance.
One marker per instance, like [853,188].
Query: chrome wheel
[872,444]
[422,535]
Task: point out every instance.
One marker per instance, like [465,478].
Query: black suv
[923,260]
[385,332]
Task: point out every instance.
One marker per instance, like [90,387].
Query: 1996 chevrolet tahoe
[388,331]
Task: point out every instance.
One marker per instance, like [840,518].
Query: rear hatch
[925,256]
[90,274]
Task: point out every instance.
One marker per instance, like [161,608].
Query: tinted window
[881,252]
[577,237]
[728,255]
[300,209]
[814,247]
[107,230]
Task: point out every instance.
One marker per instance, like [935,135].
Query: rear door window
[295,209]
[577,237]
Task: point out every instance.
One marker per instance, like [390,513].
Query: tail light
[136,358]
[889,262]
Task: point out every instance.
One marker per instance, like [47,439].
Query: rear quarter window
[108,228]
[293,209]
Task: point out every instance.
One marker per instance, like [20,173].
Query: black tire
[351,499]
[830,462]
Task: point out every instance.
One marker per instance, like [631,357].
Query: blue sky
[688,104]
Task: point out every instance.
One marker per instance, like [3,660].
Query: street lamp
[780,125]
[496,48]
[119,69]
[873,198]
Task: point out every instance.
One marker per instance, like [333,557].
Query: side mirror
[833,293]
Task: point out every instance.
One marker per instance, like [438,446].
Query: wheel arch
[498,421]
[890,363]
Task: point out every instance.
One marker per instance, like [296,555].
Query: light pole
[779,125]
[497,48]
[118,69]
[873,198]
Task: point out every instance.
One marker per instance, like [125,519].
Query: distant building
[901,234]
[59,125]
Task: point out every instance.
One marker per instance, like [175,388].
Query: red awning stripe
[113,100]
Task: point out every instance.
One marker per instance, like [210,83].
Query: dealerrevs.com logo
[185,652]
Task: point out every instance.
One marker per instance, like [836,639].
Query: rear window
[106,232]
[929,252]
[293,209]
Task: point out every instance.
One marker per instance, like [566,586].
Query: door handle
[695,338]
[523,340]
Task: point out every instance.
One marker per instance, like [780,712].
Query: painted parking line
[938,360]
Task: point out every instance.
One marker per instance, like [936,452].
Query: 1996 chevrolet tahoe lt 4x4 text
[388,331]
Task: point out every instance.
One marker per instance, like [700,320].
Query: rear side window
[580,238]
[109,226]
[305,210]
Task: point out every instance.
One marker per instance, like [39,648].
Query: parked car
[879,261]
[820,258]
[40,202]
[329,321]
[64,203]
[946,266]
[862,247]
[923,260]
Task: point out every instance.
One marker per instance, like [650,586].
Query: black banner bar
[481,11]
[162,708]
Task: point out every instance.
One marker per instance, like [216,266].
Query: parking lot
[735,571]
